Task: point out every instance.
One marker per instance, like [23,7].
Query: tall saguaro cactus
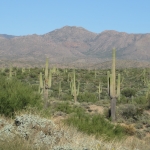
[74,90]
[45,84]
[112,86]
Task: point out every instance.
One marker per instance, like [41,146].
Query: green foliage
[15,95]
[66,97]
[130,111]
[140,100]
[33,75]
[67,108]
[128,92]
[87,97]
[95,125]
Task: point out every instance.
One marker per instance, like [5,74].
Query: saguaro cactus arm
[41,80]
[46,68]
[50,79]
[118,87]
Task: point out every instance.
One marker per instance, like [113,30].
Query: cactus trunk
[113,94]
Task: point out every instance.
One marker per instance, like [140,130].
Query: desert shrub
[129,111]
[123,99]
[104,79]
[140,134]
[95,125]
[66,97]
[129,129]
[15,95]
[87,97]
[140,100]
[35,87]
[3,74]
[139,126]
[33,75]
[87,76]
[21,76]
[128,92]
[7,70]
[67,108]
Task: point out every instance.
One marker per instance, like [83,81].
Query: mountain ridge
[71,44]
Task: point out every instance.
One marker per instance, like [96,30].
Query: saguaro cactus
[46,69]
[99,90]
[118,87]
[23,70]
[112,86]
[59,89]
[45,84]
[95,73]
[144,76]
[50,79]
[108,82]
[10,72]
[41,86]
[41,80]
[74,91]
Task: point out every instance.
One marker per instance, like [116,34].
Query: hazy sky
[23,17]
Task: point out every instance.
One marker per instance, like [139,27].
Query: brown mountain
[73,46]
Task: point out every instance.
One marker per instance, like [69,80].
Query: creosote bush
[15,95]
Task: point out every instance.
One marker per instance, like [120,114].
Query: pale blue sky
[23,17]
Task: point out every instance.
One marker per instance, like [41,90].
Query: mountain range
[75,47]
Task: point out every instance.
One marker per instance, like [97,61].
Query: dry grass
[75,138]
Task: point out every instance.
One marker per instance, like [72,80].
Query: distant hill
[74,46]
[6,36]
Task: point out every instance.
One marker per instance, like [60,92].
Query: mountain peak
[71,29]
[75,44]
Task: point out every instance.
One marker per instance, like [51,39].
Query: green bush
[128,92]
[15,95]
[128,111]
[95,125]
[140,100]
[66,97]
[87,97]
[67,108]
[33,75]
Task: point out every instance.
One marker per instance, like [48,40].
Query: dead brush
[129,129]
